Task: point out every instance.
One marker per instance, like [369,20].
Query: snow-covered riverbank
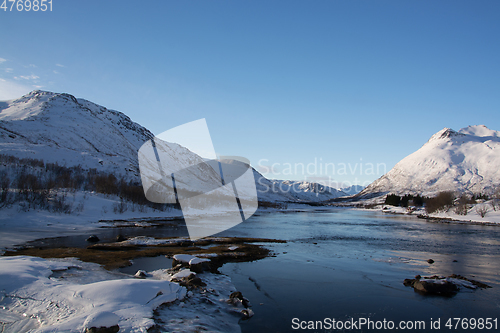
[61,295]
[491,216]
[67,295]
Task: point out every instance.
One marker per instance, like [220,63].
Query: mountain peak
[444,134]
[33,104]
[480,131]
[57,127]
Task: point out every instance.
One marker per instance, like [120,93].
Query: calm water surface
[351,263]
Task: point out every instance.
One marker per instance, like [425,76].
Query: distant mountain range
[297,190]
[464,161]
[352,190]
[60,128]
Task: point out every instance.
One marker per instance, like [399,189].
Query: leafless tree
[481,210]
[495,199]
[462,207]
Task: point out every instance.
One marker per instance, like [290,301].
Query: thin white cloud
[56,72]
[29,77]
[31,65]
[59,65]
[37,87]
[8,70]
[2,60]
[11,90]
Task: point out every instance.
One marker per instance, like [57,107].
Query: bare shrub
[495,199]
[106,184]
[462,207]
[120,207]
[59,204]
[79,208]
[481,210]
[494,204]
[4,189]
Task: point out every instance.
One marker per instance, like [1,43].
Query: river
[342,264]
[349,265]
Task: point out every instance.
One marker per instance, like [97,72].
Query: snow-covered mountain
[352,190]
[60,128]
[294,191]
[463,161]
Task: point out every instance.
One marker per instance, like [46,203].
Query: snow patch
[65,304]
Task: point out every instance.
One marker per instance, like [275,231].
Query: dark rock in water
[238,296]
[411,282]
[200,267]
[430,261]
[93,239]
[112,329]
[246,313]
[440,285]
[435,287]
[176,263]
[175,268]
[141,274]
[120,238]
[455,260]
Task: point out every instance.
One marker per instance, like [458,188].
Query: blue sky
[290,83]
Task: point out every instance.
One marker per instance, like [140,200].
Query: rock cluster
[440,285]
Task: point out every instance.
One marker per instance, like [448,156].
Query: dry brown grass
[116,255]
